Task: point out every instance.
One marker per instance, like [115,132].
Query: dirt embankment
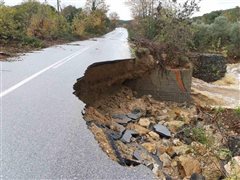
[102,79]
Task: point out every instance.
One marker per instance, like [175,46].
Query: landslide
[174,140]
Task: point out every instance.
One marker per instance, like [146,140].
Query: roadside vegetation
[167,27]
[35,25]
[219,32]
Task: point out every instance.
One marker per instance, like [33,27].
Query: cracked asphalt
[43,135]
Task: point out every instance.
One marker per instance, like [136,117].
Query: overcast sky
[125,14]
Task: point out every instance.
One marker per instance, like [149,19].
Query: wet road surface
[43,135]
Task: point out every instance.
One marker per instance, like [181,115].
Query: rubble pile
[176,141]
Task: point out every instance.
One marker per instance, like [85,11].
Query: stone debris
[142,156]
[121,119]
[166,159]
[175,141]
[135,115]
[174,126]
[150,147]
[162,130]
[154,135]
[144,122]
[127,136]
[190,165]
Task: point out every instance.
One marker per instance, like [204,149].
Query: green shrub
[8,25]
[199,135]
[32,42]
[47,24]
[237,111]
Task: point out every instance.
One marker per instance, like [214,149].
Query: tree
[234,47]
[166,23]
[47,24]
[93,5]
[220,32]
[8,26]
[142,8]
[70,12]
[114,18]
[95,23]
[202,38]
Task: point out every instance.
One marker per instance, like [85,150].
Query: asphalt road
[43,135]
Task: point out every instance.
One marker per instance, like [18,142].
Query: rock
[181,150]
[165,158]
[174,125]
[162,130]
[154,135]
[121,119]
[162,118]
[157,161]
[139,129]
[117,127]
[170,151]
[233,167]
[114,134]
[127,135]
[190,165]
[143,156]
[174,164]
[144,122]
[166,142]
[161,149]
[150,147]
[196,176]
[165,111]
[135,114]
[177,142]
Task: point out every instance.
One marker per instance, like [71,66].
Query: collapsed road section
[126,112]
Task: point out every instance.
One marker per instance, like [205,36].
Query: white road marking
[55,65]
[68,59]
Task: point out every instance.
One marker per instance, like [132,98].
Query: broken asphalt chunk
[127,135]
[135,114]
[157,161]
[121,119]
[143,156]
[115,135]
[162,130]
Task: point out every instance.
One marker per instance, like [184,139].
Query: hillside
[233,15]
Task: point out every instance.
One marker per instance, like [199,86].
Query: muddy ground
[176,141]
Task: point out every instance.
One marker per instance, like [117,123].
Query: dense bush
[166,23]
[94,23]
[47,24]
[8,25]
[221,36]
[32,22]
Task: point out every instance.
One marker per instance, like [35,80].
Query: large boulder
[209,67]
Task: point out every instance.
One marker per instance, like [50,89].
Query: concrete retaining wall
[172,85]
